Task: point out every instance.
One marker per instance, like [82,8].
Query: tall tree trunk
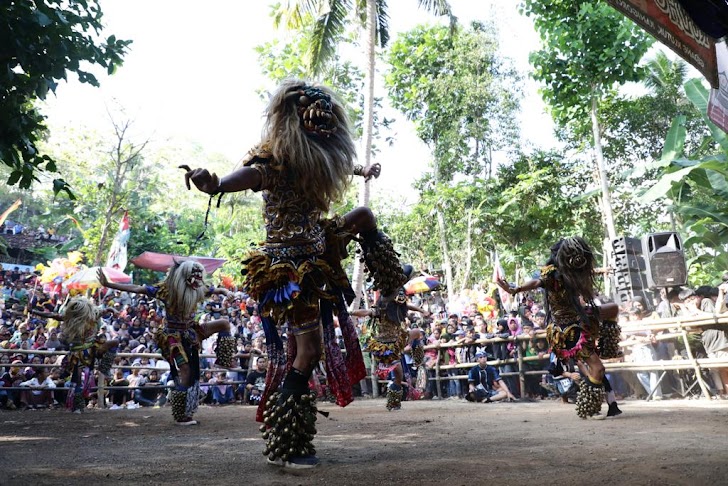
[606,197]
[468,251]
[603,176]
[370,42]
[446,265]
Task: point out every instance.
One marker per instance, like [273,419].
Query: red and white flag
[117,258]
[499,273]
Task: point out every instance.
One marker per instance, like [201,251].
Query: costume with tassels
[576,330]
[88,350]
[303,164]
[180,335]
[389,338]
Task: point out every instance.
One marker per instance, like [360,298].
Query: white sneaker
[115,407]
[598,416]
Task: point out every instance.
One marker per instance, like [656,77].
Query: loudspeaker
[624,279]
[623,261]
[627,245]
[665,260]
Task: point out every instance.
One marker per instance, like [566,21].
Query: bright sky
[192,73]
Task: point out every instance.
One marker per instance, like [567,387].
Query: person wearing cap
[389,337]
[485,383]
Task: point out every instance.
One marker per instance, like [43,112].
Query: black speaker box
[665,260]
[629,280]
[625,244]
[623,261]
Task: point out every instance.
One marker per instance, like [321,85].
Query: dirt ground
[427,442]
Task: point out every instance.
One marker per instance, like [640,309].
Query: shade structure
[162,261]
[87,278]
[423,283]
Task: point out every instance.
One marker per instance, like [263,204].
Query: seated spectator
[255,382]
[53,342]
[40,394]
[206,386]
[118,397]
[222,391]
[151,391]
[135,379]
[485,384]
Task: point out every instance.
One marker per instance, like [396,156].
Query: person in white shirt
[40,394]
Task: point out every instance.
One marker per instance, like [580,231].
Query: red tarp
[162,261]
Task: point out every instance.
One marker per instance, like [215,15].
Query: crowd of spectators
[452,341]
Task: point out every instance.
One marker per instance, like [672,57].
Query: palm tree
[332,17]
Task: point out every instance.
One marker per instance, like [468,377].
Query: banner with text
[668,21]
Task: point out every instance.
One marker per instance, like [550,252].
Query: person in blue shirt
[485,383]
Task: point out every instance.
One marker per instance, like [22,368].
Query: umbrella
[424,283]
[87,279]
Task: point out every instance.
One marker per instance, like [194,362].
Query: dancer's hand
[372,171]
[503,283]
[102,278]
[202,179]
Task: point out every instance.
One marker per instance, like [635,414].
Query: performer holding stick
[574,329]
[180,336]
[303,164]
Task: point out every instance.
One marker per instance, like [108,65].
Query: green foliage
[40,43]
[461,95]
[587,48]
[520,212]
[324,23]
[696,189]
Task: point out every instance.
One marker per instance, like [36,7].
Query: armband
[359,170]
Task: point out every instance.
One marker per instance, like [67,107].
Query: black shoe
[613,410]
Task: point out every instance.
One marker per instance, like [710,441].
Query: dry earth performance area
[675,442]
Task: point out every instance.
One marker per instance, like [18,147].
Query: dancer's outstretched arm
[47,315]
[136,289]
[529,285]
[209,182]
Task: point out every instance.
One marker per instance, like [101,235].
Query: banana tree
[696,189]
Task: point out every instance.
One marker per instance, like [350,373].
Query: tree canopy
[42,41]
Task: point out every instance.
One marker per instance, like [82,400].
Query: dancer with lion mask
[88,349]
[180,336]
[303,164]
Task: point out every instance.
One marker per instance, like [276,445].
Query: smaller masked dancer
[389,338]
[88,349]
[180,336]
[578,328]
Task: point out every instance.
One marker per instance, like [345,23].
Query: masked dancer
[578,328]
[88,349]
[303,164]
[180,335]
[389,337]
